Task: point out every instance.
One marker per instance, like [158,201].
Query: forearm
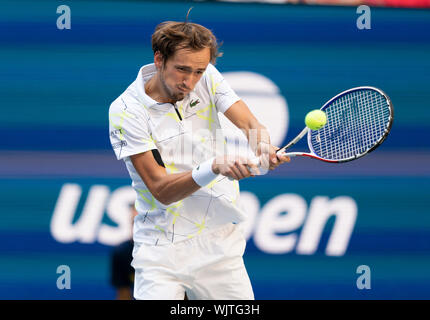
[174,187]
[256,133]
[242,118]
[165,187]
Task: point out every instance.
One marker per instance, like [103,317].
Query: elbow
[164,201]
[162,197]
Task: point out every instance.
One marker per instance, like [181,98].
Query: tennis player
[165,126]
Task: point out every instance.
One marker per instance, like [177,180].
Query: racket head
[358,121]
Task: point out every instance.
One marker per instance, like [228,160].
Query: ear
[158,60]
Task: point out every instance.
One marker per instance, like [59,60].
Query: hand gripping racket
[358,121]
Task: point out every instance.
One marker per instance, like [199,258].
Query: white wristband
[203,174]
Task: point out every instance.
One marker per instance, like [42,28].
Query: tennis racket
[358,121]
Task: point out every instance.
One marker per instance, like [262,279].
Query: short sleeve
[129,131]
[221,92]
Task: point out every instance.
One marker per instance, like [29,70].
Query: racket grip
[282,153]
[256,160]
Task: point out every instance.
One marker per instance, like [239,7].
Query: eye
[182,69]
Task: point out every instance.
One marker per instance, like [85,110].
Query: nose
[187,81]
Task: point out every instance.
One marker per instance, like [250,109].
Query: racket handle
[281,152]
[256,161]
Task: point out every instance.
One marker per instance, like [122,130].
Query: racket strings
[356,122]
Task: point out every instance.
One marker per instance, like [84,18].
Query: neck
[154,89]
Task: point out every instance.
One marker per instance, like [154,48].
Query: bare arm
[124,293]
[166,188]
[169,188]
[257,134]
[243,118]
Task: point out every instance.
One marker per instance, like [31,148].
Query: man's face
[181,72]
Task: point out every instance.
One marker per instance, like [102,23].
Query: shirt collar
[146,73]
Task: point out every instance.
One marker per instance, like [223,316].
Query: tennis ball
[316,119]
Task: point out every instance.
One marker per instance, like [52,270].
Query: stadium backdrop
[62,194]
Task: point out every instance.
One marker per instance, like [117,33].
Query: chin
[180,96]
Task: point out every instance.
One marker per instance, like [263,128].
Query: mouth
[183,90]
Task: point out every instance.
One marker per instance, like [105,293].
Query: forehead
[191,58]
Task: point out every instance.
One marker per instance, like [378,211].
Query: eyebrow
[189,68]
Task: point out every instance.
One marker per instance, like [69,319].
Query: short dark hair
[170,36]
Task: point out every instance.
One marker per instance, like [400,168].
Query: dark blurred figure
[122,273]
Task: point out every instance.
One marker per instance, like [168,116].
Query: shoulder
[116,105]
[210,77]
[211,69]
[127,104]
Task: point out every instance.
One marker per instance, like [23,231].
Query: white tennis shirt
[139,124]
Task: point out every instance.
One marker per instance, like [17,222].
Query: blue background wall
[56,87]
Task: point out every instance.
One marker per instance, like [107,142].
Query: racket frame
[306,130]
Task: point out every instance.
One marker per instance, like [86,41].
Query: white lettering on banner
[273,221]
[118,210]
[321,209]
[86,228]
[275,226]
[61,221]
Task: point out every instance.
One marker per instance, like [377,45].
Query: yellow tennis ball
[316,119]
